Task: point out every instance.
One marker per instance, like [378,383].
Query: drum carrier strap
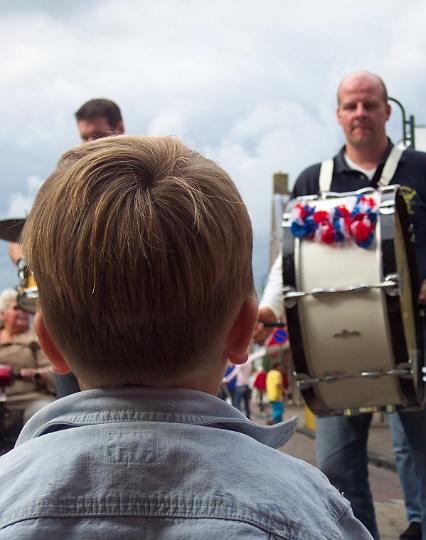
[391,165]
[326,175]
[327,166]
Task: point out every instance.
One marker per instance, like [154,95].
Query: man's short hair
[100,107]
[141,249]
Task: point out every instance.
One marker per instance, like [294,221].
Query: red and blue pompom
[364,219]
[302,222]
[338,225]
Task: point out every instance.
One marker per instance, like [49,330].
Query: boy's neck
[208,381]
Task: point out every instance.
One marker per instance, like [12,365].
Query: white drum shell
[346,332]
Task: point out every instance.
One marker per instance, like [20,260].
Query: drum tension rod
[305,381]
[390,284]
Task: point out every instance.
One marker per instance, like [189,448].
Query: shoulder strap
[391,164]
[326,175]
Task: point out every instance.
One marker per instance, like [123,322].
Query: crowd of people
[270,387]
[146,303]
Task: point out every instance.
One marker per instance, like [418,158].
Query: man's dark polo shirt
[411,172]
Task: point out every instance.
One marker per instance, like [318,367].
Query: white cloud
[20,202]
[168,122]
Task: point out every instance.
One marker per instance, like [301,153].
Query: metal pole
[409,139]
[404,120]
[413,131]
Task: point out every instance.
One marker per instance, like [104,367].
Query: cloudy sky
[251,84]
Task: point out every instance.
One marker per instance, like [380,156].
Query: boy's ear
[241,332]
[48,345]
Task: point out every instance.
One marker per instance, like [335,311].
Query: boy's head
[141,249]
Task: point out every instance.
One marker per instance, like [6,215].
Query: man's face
[362,111]
[96,128]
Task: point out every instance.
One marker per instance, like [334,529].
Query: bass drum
[353,316]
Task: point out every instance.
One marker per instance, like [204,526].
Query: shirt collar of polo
[340,164]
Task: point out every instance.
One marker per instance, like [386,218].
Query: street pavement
[387,492]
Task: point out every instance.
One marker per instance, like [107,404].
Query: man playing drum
[341,441]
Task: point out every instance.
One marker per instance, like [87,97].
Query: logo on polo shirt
[408,194]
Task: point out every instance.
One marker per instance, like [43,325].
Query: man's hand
[422,293]
[265,314]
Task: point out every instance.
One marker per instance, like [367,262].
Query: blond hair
[141,249]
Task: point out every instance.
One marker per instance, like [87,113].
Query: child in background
[276,386]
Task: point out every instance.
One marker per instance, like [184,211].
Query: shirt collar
[341,165]
[144,404]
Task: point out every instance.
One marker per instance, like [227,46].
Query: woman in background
[19,349]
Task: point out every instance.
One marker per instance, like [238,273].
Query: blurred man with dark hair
[99,118]
[96,118]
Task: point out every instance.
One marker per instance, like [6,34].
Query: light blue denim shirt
[135,463]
